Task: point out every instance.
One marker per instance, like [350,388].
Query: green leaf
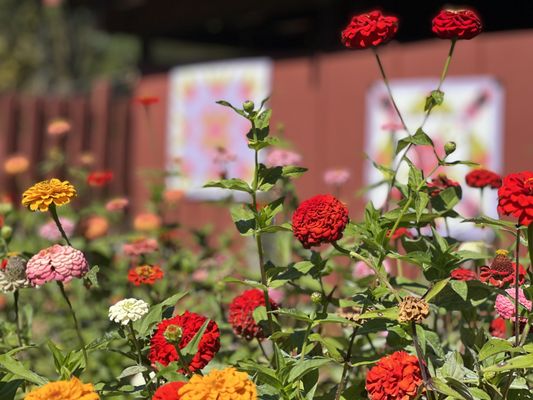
[479,394]
[305,367]
[291,171]
[520,362]
[145,325]
[494,346]
[419,138]
[133,370]
[192,347]
[445,388]
[260,314]
[92,276]
[421,201]
[227,104]
[435,98]
[244,219]
[245,282]
[460,287]
[233,184]
[387,313]
[435,289]
[16,368]
[8,390]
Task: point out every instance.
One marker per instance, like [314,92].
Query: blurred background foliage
[51,48]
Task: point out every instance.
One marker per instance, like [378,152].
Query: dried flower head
[41,195]
[413,309]
[13,275]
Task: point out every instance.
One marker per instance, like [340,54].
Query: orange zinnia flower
[145,274]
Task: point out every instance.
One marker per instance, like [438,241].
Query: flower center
[144,271]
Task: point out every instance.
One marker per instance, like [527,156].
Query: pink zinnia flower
[56,263]
[117,204]
[337,176]
[282,158]
[50,232]
[361,270]
[140,246]
[506,307]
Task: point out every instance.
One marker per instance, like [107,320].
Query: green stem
[516,291]
[53,212]
[17,318]
[420,355]
[426,116]
[306,335]
[76,324]
[530,242]
[138,349]
[182,361]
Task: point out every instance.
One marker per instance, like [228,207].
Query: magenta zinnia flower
[56,263]
[506,307]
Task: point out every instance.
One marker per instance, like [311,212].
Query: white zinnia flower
[127,310]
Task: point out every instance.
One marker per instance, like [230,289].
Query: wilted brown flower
[413,309]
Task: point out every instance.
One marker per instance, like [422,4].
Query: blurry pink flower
[16,164]
[506,307]
[140,246]
[282,158]
[200,275]
[56,263]
[58,127]
[336,176]
[392,126]
[117,204]
[276,295]
[361,270]
[50,232]
[173,196]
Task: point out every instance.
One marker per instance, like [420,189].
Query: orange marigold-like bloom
[42,194]
[147,100]
[95,227]
[145,274]
[145,222]
[226,384]
[395,377]
[58,127]
[16,164]
[73,389]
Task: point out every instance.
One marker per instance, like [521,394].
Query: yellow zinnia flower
[42,194]
[64,390]
[226,384]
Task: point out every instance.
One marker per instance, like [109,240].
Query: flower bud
[449,148]
[6,232]
[5,208]
[316,297]
[248,106]
[173,334]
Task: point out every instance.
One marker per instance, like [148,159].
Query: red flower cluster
[241,312]
[168,391]
[99,178]
[369,30]
[457,24]
[462,274]
[320,219]
[515,197]
[482,178]
[145,274]
[398,233]
[395,377]
[163,352]
[498,328]
[501,271]
[441,183]
[147,100]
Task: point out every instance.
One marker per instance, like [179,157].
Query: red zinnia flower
[399,232]
[99,178]
[168,391]
[462,274]
[164,352]
[395,377]
[457,24]
[440,183]
[147,100]
[501,272]
[369,29]
[145,274]
[241,312]
[320,219]
[481,178]
[498,328]
[3,264]
[515,197]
